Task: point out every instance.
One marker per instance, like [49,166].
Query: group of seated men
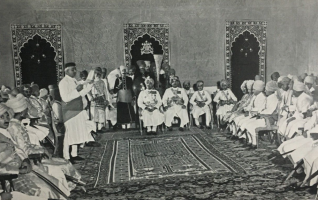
[287,104]
[39,176]
[26,114]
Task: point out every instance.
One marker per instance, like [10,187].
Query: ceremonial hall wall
[93,32]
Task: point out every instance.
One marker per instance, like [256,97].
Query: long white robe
[175,110]
[76,130]
[258,104]
[270,108]
[288,128]
[224,95]
[196,110]
[146,98]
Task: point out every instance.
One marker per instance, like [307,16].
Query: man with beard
[175,102]
[149,101]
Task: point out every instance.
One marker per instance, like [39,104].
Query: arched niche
[233,30]
[135,31]
[21,34]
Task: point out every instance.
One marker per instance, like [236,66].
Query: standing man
[74,115]
[124,89]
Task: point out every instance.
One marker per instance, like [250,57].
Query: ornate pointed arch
[23,33]
[233,30]
[160,32]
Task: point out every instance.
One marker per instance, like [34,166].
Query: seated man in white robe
[149,103]
[304,138]
[286,106]
[175,102]
[267,115]
[225,100]
[256,106]
[290,126]
[201,101]
[238,105]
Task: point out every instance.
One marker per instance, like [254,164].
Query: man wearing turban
[175,102]
[256,105]
[100,100]
[55,168]
[14,160]
[267,115]
[124,89]
[244,107]
[149,102]
[74,116]
[310,82]
[286,106]
[238,104]
[225,100]
[201,101]
[303,103]
[304,145]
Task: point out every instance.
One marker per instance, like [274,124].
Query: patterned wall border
[233,30]
[22,33]
[132,31]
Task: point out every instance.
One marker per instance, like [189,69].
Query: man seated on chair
[267,115]
[288,127]
[35,112]
[303,137]
[225,99]
[175,102]
[257,104]
[52,168]
[201,101]
[149,102]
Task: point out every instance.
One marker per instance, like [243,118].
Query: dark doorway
[38,64]
[244,61]
[136,53]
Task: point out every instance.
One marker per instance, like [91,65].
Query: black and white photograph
[158,99]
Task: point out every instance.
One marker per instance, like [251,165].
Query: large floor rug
[191,165]
[169,155]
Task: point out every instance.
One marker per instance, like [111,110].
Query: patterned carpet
[194,164]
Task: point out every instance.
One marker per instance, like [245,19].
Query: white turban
[122,68]
[249,84]
[299,86]
[243,86]
[3,108]
[112,76]
[43,92]
[259,85]
[18,104]
[309,79]
[271,86]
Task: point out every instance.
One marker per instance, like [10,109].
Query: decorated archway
[135,31]
[236,28]
[21,34]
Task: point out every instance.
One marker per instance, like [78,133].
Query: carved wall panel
[132,31]
[22,33]
[236,28]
